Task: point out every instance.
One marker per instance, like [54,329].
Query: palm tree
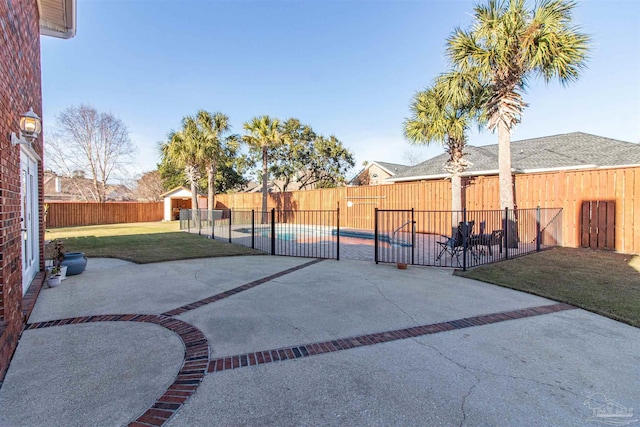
[443,114]
[212,128]
[507,45]
[264,133]
[186,148]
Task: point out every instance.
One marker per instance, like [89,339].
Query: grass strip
[605,283]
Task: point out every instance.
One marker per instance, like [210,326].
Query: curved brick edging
[196,357]
[197,361]
[190,375]
[286,353]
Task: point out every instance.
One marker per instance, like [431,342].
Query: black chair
[488,240]
[455,245]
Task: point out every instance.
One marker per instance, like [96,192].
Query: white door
[29,219]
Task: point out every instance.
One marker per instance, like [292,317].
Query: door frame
[30,163]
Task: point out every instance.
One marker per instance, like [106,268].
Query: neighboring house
[21,180]
[78,189]
[376,173]
[569,151]
[251,187]
[179,198]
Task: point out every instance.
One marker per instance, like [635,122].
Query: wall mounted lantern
[30,128]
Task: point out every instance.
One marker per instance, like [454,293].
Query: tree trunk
[456,199]
[103,196]
[211,179]
[504,167]
[265,178]
[194,195]
[194,204]
[506,183]
[98,194]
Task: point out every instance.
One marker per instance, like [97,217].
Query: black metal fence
[432,238]
[313,234]
[464,238]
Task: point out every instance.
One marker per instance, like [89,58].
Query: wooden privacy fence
[70,214]
[563,189]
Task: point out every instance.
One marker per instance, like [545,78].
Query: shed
[179,198]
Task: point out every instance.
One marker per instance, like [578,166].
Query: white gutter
[559,169]
[620,166]
[444,175]
[495,172]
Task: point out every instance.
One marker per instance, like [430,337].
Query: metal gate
[394,236]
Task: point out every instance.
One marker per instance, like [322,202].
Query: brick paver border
[197,362]
[193,370]
[230,292]
[196,356]
[295,352]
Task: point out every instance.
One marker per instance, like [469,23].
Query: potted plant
[57,257]
[54,277]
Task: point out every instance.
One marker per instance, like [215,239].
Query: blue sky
[348,68]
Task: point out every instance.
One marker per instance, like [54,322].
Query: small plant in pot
[56,250]
[54,277]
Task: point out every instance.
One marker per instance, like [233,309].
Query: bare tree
[149,187]
[90,142]
[412,157]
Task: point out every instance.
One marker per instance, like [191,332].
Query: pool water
[309,233]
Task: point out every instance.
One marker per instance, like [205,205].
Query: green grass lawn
[143,242]
[606,283]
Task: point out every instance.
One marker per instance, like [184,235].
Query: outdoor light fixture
[30,127]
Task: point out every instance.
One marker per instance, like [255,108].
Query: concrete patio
[267,340]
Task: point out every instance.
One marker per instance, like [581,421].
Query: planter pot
[63,272]
[53,281]
[75,262]
[402,265]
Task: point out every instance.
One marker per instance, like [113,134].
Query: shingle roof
[566,151]
[394,168]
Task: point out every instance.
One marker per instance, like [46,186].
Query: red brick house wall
[20,89]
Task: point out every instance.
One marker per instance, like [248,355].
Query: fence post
[338,232]
[505,226]
[538,229]
[199,218]
[375,235]
[229,225]
[273,231]
[253,229]
[465,228]
[188,212]
[413,238]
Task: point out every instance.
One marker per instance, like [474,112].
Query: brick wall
[20,89]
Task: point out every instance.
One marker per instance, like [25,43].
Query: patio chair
[485,239]
[455,245]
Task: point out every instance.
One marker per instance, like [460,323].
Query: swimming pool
[294,232]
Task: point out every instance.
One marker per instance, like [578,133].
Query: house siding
[20,89]
[366,177]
